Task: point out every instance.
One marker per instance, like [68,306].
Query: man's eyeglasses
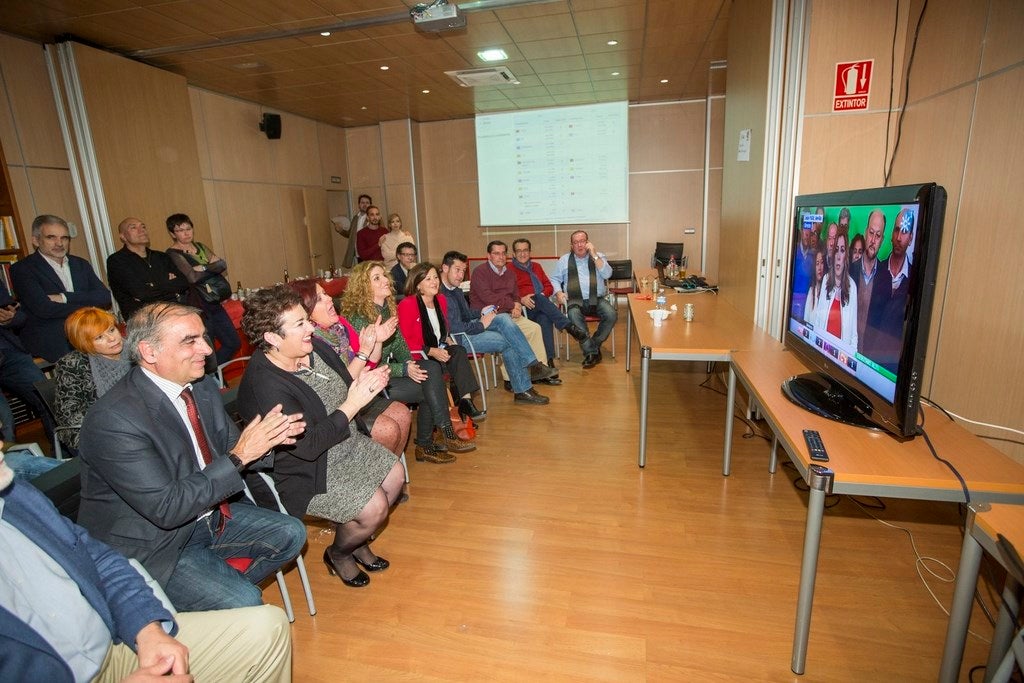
[407,253]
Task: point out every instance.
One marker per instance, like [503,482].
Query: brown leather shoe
[459,446]
[428,454]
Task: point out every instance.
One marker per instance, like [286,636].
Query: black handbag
[214,289]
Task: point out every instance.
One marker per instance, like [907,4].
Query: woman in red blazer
[423,320]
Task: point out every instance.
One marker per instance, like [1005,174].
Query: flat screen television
[862,280]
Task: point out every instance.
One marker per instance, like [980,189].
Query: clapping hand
[267,431]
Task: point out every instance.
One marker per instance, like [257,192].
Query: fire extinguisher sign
[853,84]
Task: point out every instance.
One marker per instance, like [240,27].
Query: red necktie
[204,447]
[835,319]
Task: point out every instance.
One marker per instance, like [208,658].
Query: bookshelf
[11,236]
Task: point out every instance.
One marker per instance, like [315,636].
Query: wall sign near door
[852,86]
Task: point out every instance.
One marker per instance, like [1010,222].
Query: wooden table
[866,462]
[716,331]
[985,523]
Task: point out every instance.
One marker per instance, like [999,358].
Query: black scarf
[573,285]
[429,340]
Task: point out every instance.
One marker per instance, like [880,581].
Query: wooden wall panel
[238,150]
[661,206]
[848,145]
[448,151]
[32,109]
[749,33]
[452,214]
[920,159]
[666,136]
[195,99]
[364,160]
[1003,45]
[396,151]
[949,28]
[331,140]
[248,209]
[217,240]
[292,232]
[833,28]
[978,365]
[145,143]
[294,155]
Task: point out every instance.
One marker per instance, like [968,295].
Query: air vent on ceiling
[490,75]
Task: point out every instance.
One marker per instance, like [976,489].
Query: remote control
[815,446]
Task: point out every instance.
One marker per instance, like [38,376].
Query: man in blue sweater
[73,609]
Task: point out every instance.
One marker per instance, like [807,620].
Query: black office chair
[663,253]
[622,271]
[47,390]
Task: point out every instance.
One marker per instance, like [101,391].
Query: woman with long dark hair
[836,309]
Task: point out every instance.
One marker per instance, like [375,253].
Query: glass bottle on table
[672,269]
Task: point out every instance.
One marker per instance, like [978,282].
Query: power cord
[954,417]
[956,473]
[921,564]
[906,93]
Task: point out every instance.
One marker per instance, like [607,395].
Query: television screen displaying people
[852,273]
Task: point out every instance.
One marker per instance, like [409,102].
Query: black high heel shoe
[357,581]
[467,409]
[378,565]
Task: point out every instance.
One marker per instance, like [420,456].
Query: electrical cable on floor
[921,563]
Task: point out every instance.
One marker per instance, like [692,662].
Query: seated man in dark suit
[162,470]
[51,285]
[406,255]
[18,372]
[72,609]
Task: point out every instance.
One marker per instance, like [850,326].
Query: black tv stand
[823,395]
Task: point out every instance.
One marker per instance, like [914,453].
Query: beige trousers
[246,644]
[531,331]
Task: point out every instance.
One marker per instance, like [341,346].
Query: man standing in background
[354,226]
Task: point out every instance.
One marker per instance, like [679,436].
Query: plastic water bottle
[660,299]
[672,269]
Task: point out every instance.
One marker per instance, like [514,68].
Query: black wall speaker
[271,125]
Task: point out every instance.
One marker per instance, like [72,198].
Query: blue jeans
[202,580]
[17,373]
[605,311]
[220,327]
[550,318]
[27,466]
[511,350]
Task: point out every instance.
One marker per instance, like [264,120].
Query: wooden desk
[716,331]
[984,525]
[866,462]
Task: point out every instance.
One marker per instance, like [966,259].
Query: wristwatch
[237,462]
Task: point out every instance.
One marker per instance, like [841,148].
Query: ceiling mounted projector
[437,16]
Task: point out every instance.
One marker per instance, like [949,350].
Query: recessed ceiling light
[492,55]
[363,108]
[385,67]
[425,92]
[325,33]
[248,65]
[615,73]
[613,42]
[664,80]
